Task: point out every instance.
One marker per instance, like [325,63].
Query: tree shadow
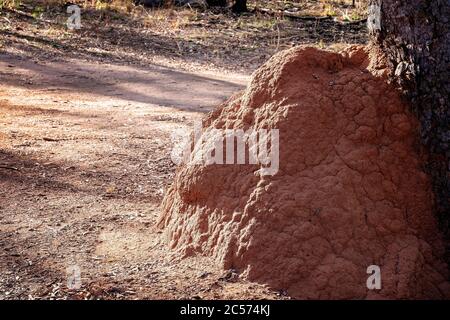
[153,84]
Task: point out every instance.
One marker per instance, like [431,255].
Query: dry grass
[169,20]
[119,5]
[340,9]
[9,4]
[215,38]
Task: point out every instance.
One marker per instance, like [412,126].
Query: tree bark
[414,35]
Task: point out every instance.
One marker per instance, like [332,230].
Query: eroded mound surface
[350,191]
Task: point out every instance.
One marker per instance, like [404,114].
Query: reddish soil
[84,162]
[350,192]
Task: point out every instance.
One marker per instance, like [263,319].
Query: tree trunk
[414,34]
[240,6]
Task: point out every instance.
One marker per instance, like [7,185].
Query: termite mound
[350,191]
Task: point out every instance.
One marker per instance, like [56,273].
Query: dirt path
[84,162]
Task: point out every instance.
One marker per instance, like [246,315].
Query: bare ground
[85,160]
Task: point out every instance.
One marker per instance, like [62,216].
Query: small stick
[50,139]
[2,166]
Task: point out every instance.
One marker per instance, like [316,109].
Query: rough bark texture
[415,37]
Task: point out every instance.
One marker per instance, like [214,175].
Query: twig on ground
[50,139]
[2,166]
[29,16]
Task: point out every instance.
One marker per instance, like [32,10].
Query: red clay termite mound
[350,191]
